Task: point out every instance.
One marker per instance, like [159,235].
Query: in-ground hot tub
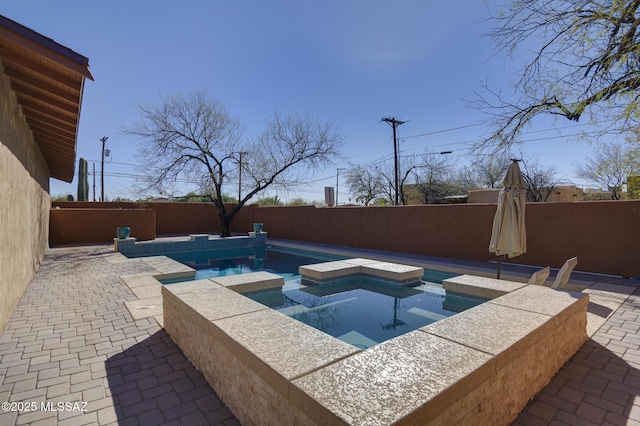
[363,302]
[480,366]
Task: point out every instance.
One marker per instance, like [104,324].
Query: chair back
[565,273]
[539,277]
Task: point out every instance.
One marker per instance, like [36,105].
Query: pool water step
[253,281]
[322,272]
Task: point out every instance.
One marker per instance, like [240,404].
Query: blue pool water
[361,311]
[281,261]
[364,311]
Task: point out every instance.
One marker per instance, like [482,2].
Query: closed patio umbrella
[509,236]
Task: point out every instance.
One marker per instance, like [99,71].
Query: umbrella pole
[499,264]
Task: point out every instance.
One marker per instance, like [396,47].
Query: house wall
[24,202]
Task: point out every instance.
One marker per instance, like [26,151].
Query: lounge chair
[564,273]
[539,277]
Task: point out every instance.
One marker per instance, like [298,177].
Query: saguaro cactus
[83,180]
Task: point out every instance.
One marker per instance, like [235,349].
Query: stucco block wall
[81,226]
[24,202]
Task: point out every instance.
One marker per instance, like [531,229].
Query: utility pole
[337,174]
[94,181]
[104,141]
[240,175]
[395,123]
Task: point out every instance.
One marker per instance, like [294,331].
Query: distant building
[483,195]
[596,194]
[566,193]
[416,194]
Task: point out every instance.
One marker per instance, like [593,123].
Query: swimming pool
[278,260]
[361,310]
[364,311]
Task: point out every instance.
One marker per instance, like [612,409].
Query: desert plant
[83,180]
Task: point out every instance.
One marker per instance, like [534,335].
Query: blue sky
[352,62]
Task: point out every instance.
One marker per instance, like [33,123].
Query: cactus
[83,180]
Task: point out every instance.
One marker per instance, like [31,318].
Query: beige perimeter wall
[24,203]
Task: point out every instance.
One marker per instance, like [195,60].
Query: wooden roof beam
[37,111]
[12,60]
[46,126]
[39,88]
[31,97]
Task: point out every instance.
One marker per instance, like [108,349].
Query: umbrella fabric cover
[509,235]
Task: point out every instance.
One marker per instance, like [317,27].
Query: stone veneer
[478,367]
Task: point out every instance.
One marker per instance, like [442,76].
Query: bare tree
[364,183]
[403,178]
[540,182]
[387,180]
[611,165]
[489,170]
[387,184]
[433,177]
[193,138]
[462,180]
[585,60]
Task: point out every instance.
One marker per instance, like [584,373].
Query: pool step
[488,288]
[168,269]
[321,272]
[253,281]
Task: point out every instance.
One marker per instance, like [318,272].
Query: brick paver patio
[600,385]
[72,340]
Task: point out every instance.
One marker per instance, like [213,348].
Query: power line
[420,135]
[442,131]
[472,141]
[386,158]
[435,132]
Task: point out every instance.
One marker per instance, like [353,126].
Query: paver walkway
[600,385]
[71,339]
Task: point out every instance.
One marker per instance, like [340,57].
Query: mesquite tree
[610,167]
[583,60]
[364,183]
[192,138]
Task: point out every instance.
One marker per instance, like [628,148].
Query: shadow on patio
[153,383]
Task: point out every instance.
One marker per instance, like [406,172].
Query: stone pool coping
[195,242]
[146,286]
[604,298]
[268,367]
